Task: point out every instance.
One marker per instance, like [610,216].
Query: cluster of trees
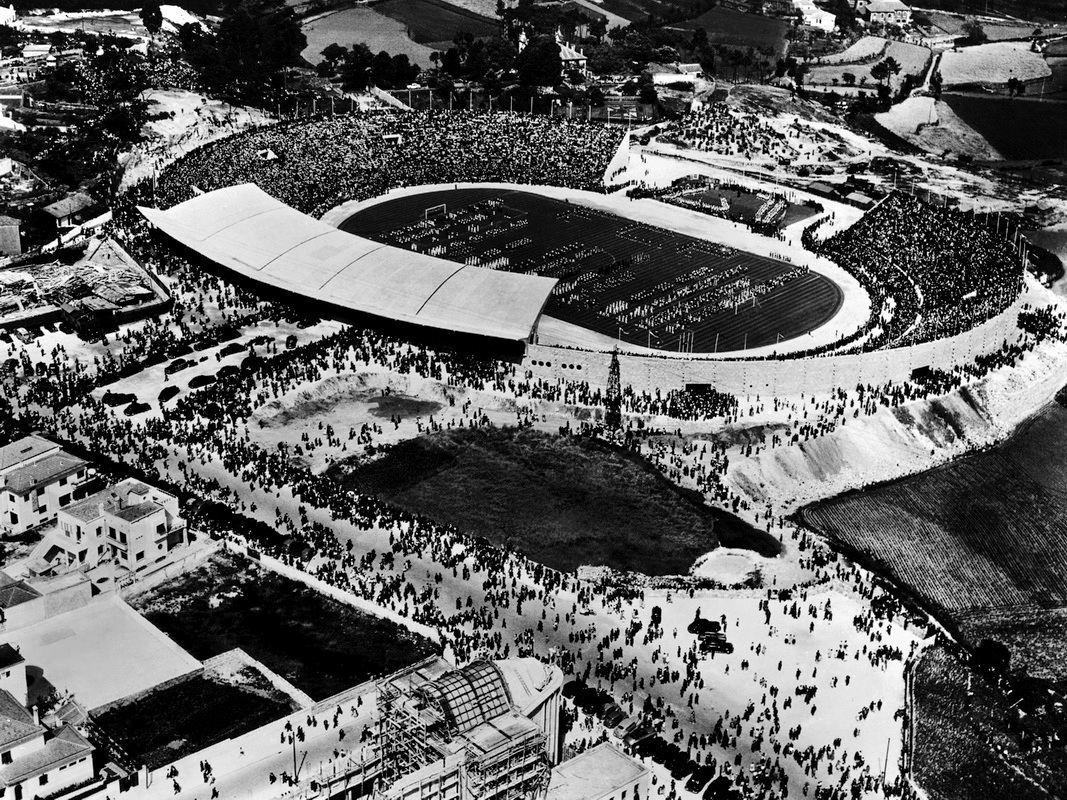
[359,68]
[246,58]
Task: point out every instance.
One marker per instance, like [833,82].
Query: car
[177,365]
[699,778]
[639,735]
[136,408]
[682,767]
[612,715]
[722,788]
[571,688]
[623,728]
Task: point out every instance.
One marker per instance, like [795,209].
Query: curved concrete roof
[249,232]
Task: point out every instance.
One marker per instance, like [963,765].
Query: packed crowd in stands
[937,271]
[729,131]
[322,163]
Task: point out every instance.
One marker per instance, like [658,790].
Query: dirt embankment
[895,442]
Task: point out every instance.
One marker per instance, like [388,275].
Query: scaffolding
[435,719]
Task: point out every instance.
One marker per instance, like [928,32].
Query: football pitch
[622,278]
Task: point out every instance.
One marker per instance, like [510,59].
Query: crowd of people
[322,163]
[725,130]
[939,272]
[485,600]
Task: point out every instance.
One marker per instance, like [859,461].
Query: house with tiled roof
[37,762]
[37,478]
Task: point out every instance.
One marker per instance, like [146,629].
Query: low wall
[778,378]
[341,596]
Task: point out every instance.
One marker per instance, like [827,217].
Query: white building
[37,478]
[600,773]
[131,524]
[7,15]
[35,761]
[815,17]
[888,12]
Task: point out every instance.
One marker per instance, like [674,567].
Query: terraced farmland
[988,532]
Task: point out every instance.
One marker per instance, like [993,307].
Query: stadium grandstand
[263,241]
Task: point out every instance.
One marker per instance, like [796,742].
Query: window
[44,779]
[40,491]
[122,537]
[63,481]
[64,499]
[111,532]
[161,527]
[14,518]
[140,556]
[5,758]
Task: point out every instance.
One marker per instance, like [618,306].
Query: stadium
[517,235]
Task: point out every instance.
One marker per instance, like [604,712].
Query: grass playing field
[561,501]
[616,276]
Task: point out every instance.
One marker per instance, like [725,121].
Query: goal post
[435,211]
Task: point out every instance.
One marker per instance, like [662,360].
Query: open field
[912,58]
[170,723]
[319,645]
[963,746]
[564,502]
[361,24]
[863,49]
[730,27]
[604,261]
[991,64]
[1000,119]
[433,21]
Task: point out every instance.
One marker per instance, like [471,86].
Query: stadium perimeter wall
[781,377]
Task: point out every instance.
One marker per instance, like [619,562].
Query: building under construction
[486,731]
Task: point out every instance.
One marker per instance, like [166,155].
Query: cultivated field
[617,277]
[986,532]
[361,24]
[1000,120]
[181,719]
[963,746]
[730,27]
[863,49]
[319,645]
[434,21]
[564,502]
[912,58]
[992,64]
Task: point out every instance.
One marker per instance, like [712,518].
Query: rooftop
[9,656]
[15,593]
[71,204]
[42,471]
[137,511]
[16,723]
[66,746]
[25,448]
[595,773]
[886,5]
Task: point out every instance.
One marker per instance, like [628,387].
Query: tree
[991,655]
[880,71]
[356,70]
[539,63]
[973,31]
[152,16]
[849,78]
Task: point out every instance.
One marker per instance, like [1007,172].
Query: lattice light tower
[613,398]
